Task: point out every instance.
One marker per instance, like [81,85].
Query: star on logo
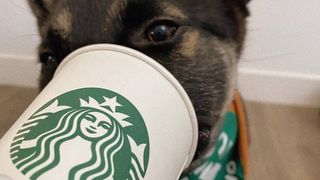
[112,103]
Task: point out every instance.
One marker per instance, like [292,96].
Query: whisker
[19,6]
[24,36]
[266,58]
[27,35]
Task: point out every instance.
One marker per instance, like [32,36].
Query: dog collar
[229,157]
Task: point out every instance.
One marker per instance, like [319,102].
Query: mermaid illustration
[89,141]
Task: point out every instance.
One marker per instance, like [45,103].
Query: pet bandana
[228,160]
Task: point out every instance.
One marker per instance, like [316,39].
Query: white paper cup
[110,112]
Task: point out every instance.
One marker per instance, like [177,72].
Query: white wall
[282,59]
[17,28]
[281,63]
[18,43]
[284,36]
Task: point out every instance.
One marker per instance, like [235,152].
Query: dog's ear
[41,8]
[241,5]
[245,7]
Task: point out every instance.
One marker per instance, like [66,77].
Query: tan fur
[174,11]
[45,50]
[48,3]
[62,23]
[43,31]
[189,45]
[35,9]
[116,8]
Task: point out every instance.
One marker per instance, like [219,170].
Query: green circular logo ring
[113,137]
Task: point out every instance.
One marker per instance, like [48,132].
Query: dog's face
[199,42]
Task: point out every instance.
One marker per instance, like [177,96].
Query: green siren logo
[88,133]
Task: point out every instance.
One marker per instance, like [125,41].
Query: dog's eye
[48,58]
[161,31]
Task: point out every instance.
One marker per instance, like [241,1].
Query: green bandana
[223,161]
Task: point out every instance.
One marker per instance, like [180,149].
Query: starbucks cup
[110,112]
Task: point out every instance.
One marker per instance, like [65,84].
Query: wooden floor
[285,141]
[13,102]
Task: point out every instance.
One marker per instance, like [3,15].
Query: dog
[199,42]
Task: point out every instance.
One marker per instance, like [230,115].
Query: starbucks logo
[87,133]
